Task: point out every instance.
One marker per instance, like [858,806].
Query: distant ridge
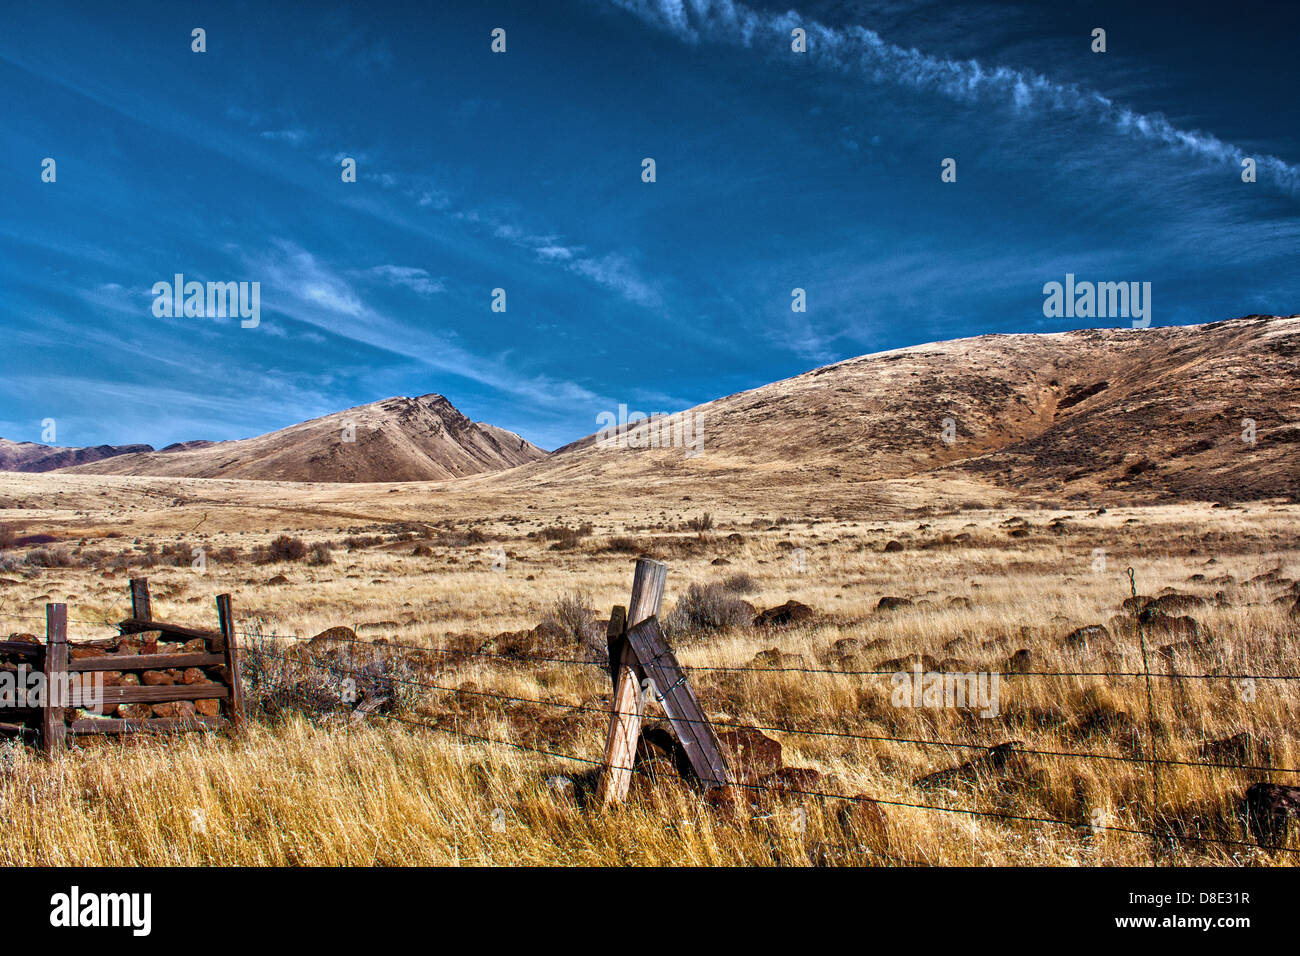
[397,439]
[29,456]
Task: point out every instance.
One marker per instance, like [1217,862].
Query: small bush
[702,524]
[742,582]
[179,555]
[320,554]
[50,558]
[710,607]
[573,616]
[565,537]
[283,548]
[623,545]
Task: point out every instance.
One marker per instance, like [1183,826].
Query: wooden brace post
[627,703]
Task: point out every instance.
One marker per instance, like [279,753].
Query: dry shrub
[283,548]
[50,558]
[329,677]
[565,537]
[710,607]
[574,618]
[701,524]
[742,582]
[320,554]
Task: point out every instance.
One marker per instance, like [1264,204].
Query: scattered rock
[1176,603]
[788,779]
[1021,662]
[791,612]
[996,761]
[1242,748]
[1165,625]
[1135,604]
[1269,809]
[336,633]
[750,754]
[911,662]
[1086,635]
[890,603]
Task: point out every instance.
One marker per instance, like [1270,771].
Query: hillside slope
[1153,414]
[397,439]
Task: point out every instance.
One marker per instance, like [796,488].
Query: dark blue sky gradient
[522,171]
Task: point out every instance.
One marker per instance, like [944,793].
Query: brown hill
[1153,414]
[31,457]
[398,439]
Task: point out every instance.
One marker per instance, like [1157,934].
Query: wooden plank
[626,705]
[141,606]
[230,647]
[693,728]
[135,625]
[118,725]
[53,729]
[145,662]
[22,648]
[162,693]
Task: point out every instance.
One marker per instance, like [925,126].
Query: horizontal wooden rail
[117,725]
[22,647]
[145,662]
[135,625]
[163,694]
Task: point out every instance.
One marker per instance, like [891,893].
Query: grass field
[993,589]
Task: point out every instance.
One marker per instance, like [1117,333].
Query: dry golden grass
[295,790]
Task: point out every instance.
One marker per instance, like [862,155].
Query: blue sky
[522,171]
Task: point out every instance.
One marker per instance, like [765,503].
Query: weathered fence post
[53,729]
[627,703]
[141,607]
[230,648]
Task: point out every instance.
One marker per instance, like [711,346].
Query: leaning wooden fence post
[626,705]
[230,648]
[141,607]
[53,729]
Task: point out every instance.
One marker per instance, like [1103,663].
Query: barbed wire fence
[257,639]
[258,642]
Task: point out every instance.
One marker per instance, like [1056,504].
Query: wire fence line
[460,655]
[1168,836]
[798,731]
[706,668]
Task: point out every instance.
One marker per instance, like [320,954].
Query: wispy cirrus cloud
[409,277]
[863,53]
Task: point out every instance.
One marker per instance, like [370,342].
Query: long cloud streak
[858,51]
